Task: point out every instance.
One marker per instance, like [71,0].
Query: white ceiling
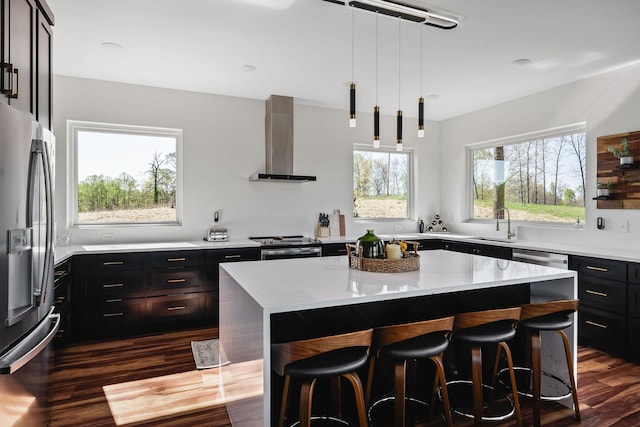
[302,48]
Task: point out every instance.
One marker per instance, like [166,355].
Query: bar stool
[554,316]
[407,343]
[487,327]
[326,357]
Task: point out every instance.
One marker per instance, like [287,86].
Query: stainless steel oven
[284,247]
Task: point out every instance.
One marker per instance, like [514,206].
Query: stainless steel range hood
[279,143]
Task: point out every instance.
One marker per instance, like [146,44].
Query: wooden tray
[410,261]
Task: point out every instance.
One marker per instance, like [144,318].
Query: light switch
[622,226]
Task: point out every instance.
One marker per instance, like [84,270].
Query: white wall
[223,144]
[609,104]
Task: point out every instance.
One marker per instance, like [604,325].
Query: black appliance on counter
[27,321]
[283,247]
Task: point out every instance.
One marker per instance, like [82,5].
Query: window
[381,184]
[537,178]
[124,174]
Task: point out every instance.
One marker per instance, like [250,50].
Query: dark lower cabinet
[181,308]
[113,317]
[478,249]
[62,300]
[602,315]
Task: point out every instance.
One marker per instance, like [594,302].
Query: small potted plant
[603,188]
[622,152]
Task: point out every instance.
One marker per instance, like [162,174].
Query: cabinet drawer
[116,315]
[176,259]
[231,255]
[115,284]
[61,295]
[175,307]
[596,267]
[602,330]
[62,271]
[608,295]
[634,273]
[211,306]
[170,281]
[111,262]
[633,343]
[334,249]
[633,300]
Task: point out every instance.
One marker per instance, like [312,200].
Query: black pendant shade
[352,105]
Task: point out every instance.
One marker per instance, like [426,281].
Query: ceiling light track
[403,11]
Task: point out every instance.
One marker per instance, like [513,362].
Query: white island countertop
[307,283]
[257,299]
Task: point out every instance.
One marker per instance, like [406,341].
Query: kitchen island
[281,300]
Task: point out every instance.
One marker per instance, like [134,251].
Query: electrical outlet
[396,227]
[108,237]
[622,226]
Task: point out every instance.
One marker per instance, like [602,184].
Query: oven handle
[292,252]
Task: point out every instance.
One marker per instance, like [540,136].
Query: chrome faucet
[509,233]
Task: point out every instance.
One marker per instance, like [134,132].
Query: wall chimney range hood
[279,143]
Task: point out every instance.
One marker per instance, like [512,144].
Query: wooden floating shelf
[603,198]
[624,178]
[628,166]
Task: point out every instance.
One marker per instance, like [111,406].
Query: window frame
[75,126]
[411,173]
[519,138]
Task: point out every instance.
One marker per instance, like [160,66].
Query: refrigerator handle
[27,349]
[39,153]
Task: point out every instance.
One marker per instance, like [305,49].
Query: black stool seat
[549,322]
[488,333]
[420,347]
[329,364]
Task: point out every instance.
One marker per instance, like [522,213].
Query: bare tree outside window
[381,184]
[541,179]
[125,174]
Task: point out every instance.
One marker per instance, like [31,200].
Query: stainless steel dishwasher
[547,259]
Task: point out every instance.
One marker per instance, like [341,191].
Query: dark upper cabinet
[25,57]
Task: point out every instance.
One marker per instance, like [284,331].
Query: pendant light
[376,109]
[421,99]
[399,118]
[352,87]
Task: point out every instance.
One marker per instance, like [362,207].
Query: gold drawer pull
[114,300]
[113,314]
[113,285]
[599,325]
[600,294]
[590,267]
[113,263]
[180,307]
[176,259]
[176,280]
[232,256]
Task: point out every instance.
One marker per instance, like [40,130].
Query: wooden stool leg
[440,376]
[359,397]
[372,366]
[476,379]
[285,401]
[516,400]
[400,386]
[536,372]
[574,389]
[306,398]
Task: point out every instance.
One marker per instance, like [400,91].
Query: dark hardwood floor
[152,381]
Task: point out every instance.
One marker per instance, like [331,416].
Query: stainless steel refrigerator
[27,321]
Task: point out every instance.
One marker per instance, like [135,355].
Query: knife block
[322,231]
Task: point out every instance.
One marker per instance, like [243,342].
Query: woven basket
[409,262]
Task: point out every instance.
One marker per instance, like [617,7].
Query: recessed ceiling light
[247,68]
[112,46]
[521,62]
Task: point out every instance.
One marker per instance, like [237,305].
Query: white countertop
[621,254]
[307,283]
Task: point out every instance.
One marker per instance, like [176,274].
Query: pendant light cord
[376,58]
[353,20]
[399,49]
[421,61]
